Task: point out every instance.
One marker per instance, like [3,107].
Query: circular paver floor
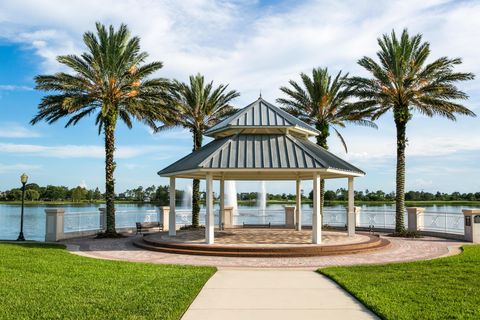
[263,237]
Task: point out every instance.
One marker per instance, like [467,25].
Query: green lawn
[47,282]
[445,288]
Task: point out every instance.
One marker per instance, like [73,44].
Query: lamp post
[23,179]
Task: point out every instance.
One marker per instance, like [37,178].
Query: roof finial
[260,96]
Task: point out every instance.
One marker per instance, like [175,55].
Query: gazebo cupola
[261,117]
[261,142]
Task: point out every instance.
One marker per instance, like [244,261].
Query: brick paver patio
[400,250]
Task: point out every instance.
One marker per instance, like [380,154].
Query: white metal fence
[443,222]
[90,221]
[127,218]
[259,216]
[81,221]
[383,219]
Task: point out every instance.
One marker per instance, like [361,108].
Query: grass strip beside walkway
[40,281]
[445,288]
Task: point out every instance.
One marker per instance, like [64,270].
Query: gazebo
[262,142]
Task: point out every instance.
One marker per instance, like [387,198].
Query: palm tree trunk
[324,129]
[401,125]
[197,144]
[109,129]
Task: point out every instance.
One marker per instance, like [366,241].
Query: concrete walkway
[273,294]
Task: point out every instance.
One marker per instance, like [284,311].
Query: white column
[209,226]
[351,208]
[415,218]
[472,225]
[221,214]
[54,224]
[316,217]
[163,217]
[172,223]
[290,212]
[298,213]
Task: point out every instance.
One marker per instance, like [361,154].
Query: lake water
[85,217]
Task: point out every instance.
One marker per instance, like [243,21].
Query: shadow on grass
[34,244]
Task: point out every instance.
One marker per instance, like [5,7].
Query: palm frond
[198,105]
[320,99]
[110,78]
[341,139]
[402,79]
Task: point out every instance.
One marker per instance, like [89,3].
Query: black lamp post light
[23,179]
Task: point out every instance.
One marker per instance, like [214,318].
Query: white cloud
[383,150]
[20,167]
[420,183]
[84,151]
[251,48]
[132,166]
[171,133]
[12,87]
[14,130]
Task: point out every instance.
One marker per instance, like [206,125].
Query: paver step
[373,243]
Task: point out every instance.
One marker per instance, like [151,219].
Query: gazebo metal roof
[261,142]
[261,117]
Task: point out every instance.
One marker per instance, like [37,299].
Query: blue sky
[254,46]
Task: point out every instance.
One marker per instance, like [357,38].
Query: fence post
[472,225]
[384,220]
[54,224]
[164,214]
[290,217]
[103,218]
[227,218]
[415,218]
[357,211]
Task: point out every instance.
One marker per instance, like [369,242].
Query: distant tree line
[367,195]
[379,195]
[34,192]
[252,196]
[160,195]
[157,194]
[342,195]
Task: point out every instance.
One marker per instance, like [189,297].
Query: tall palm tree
[323,102]
[199,106]
[402,81]
[109,81]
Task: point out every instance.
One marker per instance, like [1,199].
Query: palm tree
[110,82]
[199,106]
[403,82]
[323,102]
